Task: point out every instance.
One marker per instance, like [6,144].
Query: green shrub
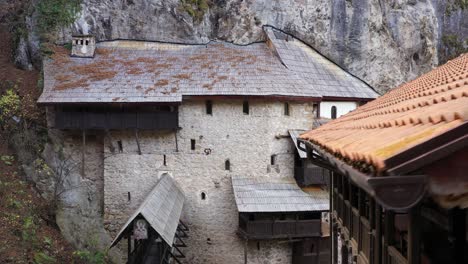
[53,14]
[43,258]
[195,8]
[97,257]
[9,108]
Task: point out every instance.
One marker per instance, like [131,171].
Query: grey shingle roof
[132,71]
[161,209]
[295,133]
[276,195]
[135,71]
[321,74]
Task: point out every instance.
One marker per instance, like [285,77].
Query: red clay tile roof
[396,122]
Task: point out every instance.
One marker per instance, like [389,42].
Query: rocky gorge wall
[384,42]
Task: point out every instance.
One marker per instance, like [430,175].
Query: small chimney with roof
[83,46]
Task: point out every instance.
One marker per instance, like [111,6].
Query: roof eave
[411,188]
[428,152]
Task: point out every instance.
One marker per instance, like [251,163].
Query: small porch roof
[277,195]
[161,209]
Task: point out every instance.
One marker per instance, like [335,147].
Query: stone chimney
[83,46]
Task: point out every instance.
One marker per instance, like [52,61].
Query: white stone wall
[248,141]
[342,108]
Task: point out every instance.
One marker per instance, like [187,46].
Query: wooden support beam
[389,231]
[129,246]
[137,141]
[414,236]
[176,142]
[245,250]
[378,234]
[459,232]
[83,151]
[330,215]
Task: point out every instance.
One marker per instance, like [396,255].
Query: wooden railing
[355,223]
[116,120]
[366,237]
[394,257]
[306,176]
[269,229]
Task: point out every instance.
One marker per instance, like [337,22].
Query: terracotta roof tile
[407,116]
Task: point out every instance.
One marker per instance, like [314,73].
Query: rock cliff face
[384,42]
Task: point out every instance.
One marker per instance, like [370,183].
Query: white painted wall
[341,108]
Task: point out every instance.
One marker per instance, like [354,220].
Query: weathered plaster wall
[248,141]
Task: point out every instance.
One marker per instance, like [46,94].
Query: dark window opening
[129,197]
[245,107]
[333,112]
[81,42]
[416,57]
[258,245]
[209,107]
[286,109]
[76,42]
[315,110]
[87,42]
[192,144]
[227,165]
[165,161]
[273,159]
[312,248]
[120,146]
[203,196]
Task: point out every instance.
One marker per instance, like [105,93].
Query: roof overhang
[428,151]
[295,133]
[270,195]
[254,97]
[398,193]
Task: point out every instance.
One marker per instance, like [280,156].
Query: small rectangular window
[209,107]
[273,159]
[192,144]
[286,109]
[81,42]
[227,165]
[165,160]
[87,42]
[245,107]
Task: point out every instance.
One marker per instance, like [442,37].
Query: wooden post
[137,141]
[414,236]
[459,232]
[83,151]
[388,239]
[331,214]
[245,250]
[378,234]
[176,143]
[129,246]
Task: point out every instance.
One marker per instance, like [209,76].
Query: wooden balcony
[310,175]
[273,229]
[117,120]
